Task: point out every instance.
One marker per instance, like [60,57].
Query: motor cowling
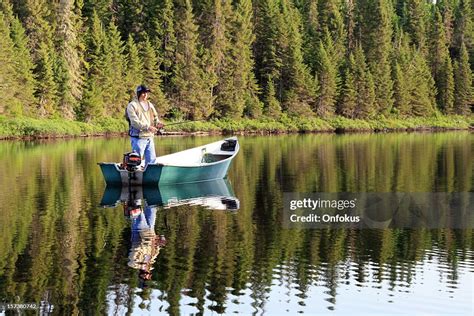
[131,161]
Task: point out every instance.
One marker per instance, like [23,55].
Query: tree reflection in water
[56,238]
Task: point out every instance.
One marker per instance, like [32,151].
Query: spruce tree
[166,39]
[92,104]
[70,61]
[441,67]
[401,77]
[246,89]
[422,86]
[350,24]
[446,87]
[331,23]
[103,8]
[219,65]
[463,83]
[152,77]
[192,96]
[272,105]
[114,91]
[130,18]
[39,25]
[311,32]
[299,87]
[134,67]
[348,100]
[23,68]
[446,7]
[7,71]
[364,85]
[328,78]
[463,27]
[46,90]
[400,91]
[268,59]
[416,22]
[375,29]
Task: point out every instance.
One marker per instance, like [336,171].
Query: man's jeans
[144,147]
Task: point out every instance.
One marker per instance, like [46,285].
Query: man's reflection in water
[146,244]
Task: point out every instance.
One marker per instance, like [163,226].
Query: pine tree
[192,96]
[152,77]
[327,77]
[463,83]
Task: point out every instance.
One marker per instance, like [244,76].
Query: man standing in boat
[143,124]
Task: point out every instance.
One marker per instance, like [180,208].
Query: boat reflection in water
[215,195]
[140,205]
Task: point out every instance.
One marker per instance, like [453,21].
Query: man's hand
[160,125]
[152,129]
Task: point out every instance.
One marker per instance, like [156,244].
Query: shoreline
[32,129]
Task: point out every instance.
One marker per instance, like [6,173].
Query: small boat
[203,163]
[214,195]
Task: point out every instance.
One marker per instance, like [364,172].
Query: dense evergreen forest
[82,59]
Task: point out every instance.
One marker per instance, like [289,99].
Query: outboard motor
[229,145]
[131,161]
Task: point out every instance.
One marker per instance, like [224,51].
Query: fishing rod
[183,122]
[162,130]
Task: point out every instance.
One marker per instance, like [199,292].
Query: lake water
[59,245]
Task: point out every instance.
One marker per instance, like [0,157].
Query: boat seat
[208,157]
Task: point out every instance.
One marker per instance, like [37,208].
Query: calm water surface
[61,246]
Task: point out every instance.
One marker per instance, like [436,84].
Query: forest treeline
[82,59]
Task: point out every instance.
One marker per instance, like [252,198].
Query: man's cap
[142,89]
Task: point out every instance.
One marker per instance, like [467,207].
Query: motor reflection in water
[140,205]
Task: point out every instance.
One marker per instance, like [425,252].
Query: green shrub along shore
[14,128]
